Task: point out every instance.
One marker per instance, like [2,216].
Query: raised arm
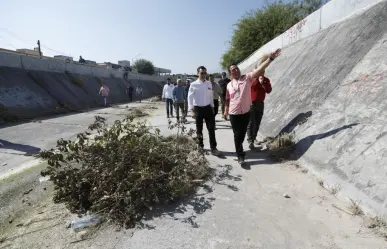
[261,68]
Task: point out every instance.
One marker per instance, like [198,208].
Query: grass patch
[282,147]
[335,189]
[124,170]
[355,207]
[138,113]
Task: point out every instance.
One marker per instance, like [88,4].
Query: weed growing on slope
[282,147]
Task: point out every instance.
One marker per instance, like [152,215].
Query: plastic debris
[79,225]
[44,179]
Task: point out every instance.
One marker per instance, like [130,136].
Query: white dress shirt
[168,91]
[200,94]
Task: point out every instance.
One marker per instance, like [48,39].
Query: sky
[175,34]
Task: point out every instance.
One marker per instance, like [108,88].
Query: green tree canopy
[256,28]
[144,66]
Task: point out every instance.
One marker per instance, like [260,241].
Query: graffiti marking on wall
[294,32]
[366,83]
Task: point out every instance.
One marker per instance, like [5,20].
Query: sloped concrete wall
[331,90]
[332,12]
[34,93]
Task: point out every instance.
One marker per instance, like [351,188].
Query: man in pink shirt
[104,91]
[238,101]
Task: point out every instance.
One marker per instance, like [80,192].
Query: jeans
[206,113]
[169,106]
[239,126]
[256,113]
[180,105]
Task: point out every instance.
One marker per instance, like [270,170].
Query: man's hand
[225,114]
[193,114]
[275,54]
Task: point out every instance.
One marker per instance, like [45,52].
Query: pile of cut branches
[121,172]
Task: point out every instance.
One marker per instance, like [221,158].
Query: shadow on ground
[27,149]
[303,145]
[197,204]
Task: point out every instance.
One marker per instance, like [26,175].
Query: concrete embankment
[331,90]
[31,87]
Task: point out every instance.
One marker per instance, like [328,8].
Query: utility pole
[40,51]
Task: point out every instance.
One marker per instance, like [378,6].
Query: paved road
[21,141]
[246,208]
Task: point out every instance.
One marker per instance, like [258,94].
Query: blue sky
[175,34]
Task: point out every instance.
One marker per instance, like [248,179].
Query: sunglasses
[203,73]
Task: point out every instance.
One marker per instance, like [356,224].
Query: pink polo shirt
[239,94]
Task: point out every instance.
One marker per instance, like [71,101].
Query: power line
[30,43]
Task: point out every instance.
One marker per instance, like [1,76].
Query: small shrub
[282,146]
[139,113]
[121,172]
[355,207]
[335,189]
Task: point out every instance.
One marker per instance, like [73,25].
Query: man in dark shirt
[129,91]
[259,89]
[223,85]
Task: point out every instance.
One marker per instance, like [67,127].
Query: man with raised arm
[238,101]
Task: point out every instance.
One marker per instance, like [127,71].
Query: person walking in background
[168,97]
[139,93]
[238,101]
[129,91]
[186,89]
[201,102]
[217,92]
[104,92]
[178,99]
[223,85]
[259,89]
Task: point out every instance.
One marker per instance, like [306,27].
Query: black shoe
[241,160]
[251,146]
[200,148]
[215,152]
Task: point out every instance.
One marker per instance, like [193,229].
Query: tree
[144,66]
[256,28]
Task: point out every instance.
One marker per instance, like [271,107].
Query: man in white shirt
[201,103]
[168,97]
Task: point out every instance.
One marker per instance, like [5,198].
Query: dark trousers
[207,114]
[256,113]
[181,107]
[216,107]
[239,126]
[169,106]
[185,107]
[130,94]
[139,96]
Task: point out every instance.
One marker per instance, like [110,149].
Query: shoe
[215,152]
[200,148]
[251,146]
[241,160]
